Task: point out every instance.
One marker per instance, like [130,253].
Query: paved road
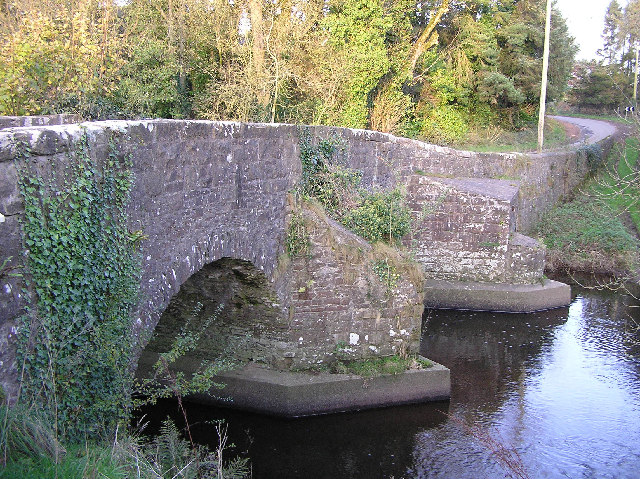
[592,131]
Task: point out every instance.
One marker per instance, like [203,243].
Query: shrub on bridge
[381,216]
[376,216]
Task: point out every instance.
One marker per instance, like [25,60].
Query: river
[561,388]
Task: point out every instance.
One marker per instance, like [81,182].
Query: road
[592,131]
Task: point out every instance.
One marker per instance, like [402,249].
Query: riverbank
[596,231]
[31,448]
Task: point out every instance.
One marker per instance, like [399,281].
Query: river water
[556,393]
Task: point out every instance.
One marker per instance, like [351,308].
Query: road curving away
[592,131]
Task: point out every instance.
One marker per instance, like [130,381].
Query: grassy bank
[89,460]
[494,139]
[596,232]
[30,449]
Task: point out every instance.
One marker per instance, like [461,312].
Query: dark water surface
[560,387]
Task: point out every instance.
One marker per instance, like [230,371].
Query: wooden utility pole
[545,70]
[635,81]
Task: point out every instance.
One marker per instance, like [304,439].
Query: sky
[585,19]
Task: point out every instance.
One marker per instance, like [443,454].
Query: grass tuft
[25,434]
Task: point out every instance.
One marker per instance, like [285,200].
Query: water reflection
[486,352]
[560,387]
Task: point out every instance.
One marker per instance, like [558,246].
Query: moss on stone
[369,368]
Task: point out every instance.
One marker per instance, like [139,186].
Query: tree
[159,54]
[522,42]
[596,87]
[56,56]
[629,34]
[279,66]
[488,65]
[357,30]
[406,66]
[611,33]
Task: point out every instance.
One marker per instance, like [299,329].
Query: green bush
[378,216]
[594,156]
[381,216]
[446,124]
[334,187]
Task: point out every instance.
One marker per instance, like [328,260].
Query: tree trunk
[258,50]
[428,38]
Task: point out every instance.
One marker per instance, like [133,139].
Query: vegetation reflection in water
[559,387]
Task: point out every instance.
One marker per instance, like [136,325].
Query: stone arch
[234,306]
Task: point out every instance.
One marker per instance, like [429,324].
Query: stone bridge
[214,200]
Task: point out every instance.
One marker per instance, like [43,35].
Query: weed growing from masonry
[374,367]
[376,216]
[297,240]
[81,283]
[6,269]
[387,272]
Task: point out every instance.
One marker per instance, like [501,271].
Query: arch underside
[234,311]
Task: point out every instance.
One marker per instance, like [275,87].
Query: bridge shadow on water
[363,444]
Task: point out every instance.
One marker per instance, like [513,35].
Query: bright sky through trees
[585,19]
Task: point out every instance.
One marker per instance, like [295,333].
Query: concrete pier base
[513,298]
[296,394]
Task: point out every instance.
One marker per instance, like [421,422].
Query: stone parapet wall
[544,178]
[40,120]
[464,230]
[548,178]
